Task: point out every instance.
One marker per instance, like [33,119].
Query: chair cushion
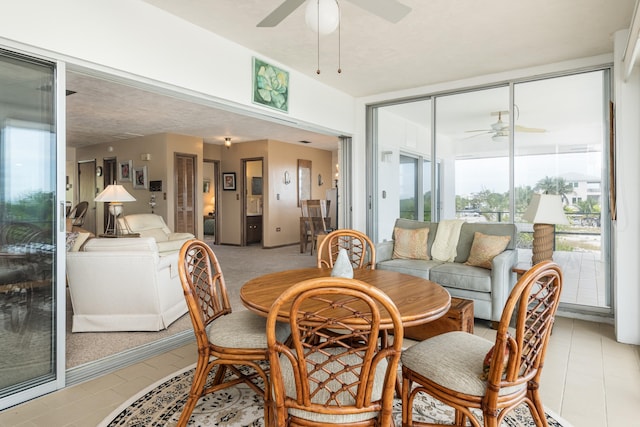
[322,395]
[243,329]
[453,360]
[410,244]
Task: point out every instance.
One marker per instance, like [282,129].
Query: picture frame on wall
[140,178]
[270,85]
[229,181]
[124,171]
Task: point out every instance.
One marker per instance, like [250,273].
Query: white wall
[626,232]
[131,38]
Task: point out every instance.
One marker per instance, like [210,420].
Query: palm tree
[555,186]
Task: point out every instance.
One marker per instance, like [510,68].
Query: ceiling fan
[390,10]
[500,129]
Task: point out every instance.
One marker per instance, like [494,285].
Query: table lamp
[115,194]
[544,211]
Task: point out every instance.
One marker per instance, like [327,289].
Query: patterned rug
[161,405]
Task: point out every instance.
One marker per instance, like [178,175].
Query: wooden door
[185,202]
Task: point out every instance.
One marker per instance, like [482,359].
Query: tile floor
[589,379]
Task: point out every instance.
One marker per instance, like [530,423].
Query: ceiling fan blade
[281,12]
[526,129]
[391,10]
[480,130]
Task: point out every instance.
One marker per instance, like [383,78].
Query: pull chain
[318,33]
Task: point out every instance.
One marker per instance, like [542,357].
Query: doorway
[210,200]
[253,202]
[87,192]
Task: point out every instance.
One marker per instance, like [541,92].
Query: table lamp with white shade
[544,211]
[115,194]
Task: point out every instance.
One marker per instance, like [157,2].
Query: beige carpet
[239,264]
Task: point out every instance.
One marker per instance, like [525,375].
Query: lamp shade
[322,16]
[545,209]
[114,193]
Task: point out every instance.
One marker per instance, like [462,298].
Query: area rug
[161,404]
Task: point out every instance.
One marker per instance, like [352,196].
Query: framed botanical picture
[270,85]
[124,171]
[229,181]
[140,178]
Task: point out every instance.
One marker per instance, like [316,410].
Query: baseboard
[109,364]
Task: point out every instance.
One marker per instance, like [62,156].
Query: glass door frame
[59,129]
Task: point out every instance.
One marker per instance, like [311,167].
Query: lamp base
[543,236]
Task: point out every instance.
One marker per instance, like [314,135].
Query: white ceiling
[439,40]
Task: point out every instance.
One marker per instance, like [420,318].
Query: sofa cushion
[142,244]
[156,233]
[461,276]
[414,267]
[485,247]
[410,244]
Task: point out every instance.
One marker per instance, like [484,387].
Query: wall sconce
[320,181]
[227,142]
[287,178]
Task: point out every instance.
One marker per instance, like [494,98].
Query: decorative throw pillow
[484,249]
[71,240]
[80,241]
[410,243]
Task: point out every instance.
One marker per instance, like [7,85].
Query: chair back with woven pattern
[524,330]
[339,366]
[360,249]
[204,287]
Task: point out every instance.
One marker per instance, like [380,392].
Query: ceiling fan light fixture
[322,16]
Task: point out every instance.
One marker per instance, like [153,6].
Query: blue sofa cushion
[454,275]
[414,267]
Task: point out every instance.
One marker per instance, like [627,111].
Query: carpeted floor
[161,405]
[239,264]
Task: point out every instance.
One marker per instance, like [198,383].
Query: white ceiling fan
[500,129]
[390,10]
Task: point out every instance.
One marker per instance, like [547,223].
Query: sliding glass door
[494,147]
[29,357]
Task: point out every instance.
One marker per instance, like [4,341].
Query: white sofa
[152,225]
[124,284]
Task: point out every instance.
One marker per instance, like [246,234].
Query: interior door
[185,202]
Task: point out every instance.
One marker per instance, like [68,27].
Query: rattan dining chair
[360,249]
[225,339]
[344,377]
[466,371]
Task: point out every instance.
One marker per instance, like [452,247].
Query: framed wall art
[124,171]
[140,178]
[270,85]
[229,181]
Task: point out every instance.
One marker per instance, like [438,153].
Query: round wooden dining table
[418,300]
